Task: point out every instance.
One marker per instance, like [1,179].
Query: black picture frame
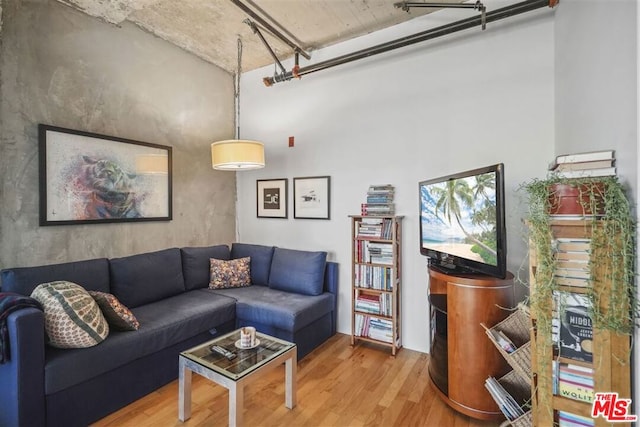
[312,197]
[271,198]
[89,178]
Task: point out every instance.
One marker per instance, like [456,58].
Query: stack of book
[373,277]
[368,303]
[380,253]
[374,328]
[573,381]
[505,401]
[584,165]
[379,201]
[572,262]
[376,228]
[567,419]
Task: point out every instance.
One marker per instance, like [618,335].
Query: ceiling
[210,28]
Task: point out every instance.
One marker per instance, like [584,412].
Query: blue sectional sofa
[293,296]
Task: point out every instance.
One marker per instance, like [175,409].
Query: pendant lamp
[237,154]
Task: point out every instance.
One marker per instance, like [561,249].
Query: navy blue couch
[293,296]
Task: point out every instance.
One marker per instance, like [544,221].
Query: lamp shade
[237,154]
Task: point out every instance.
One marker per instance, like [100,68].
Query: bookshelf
[599,359]
[376,277]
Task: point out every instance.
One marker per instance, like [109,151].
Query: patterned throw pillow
[235,273]
[72,318]
[117,314]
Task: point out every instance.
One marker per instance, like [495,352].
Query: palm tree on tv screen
[458,194]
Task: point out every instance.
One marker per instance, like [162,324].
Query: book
[575,339]
[568,419]
[587,173]
[591,156]
[572,245]
[562,167]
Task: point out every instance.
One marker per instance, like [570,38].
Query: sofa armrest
[22,401]
[331,285]
[331,278]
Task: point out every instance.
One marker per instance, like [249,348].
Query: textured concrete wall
[61,67]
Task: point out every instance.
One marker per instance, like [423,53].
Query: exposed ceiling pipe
[270,28]
[496,15]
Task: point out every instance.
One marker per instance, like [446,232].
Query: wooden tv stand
[462,356]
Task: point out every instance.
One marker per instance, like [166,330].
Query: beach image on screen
[459,217]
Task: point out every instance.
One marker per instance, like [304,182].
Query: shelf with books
[578,359]
[376,280]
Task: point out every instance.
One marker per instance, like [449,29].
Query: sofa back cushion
[90,274]
[261,257]
[301,272]
[196,262]
[140,279]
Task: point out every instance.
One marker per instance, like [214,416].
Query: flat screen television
[462,226]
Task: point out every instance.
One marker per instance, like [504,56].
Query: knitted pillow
[117,314]
[72,318]
[235,273]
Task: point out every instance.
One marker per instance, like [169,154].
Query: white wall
[596,69]
[465,101]
[597,90]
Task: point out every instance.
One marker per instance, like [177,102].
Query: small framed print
[311,197]
[271,198]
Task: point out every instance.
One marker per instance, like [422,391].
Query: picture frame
[271,198]
[88,178]
[312,197]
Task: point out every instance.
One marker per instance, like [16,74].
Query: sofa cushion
[195,264]
[90,274]
[261,257]
[140,279]
[162,324]
[283,310]
[117,314]
[234,273]
[301,272]
[72,318]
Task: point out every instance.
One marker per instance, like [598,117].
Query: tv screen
[462,221]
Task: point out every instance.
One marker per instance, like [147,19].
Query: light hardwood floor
[338,385]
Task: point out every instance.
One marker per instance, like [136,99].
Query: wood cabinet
[610,352]
[461,355]
[376,280]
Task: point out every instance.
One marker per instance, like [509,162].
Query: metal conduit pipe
[496,15]
[270,28]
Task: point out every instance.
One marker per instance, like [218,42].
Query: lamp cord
[236,94]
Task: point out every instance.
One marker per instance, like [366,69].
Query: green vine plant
[612,235]
[612,229]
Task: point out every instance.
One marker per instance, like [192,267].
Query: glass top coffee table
[234,373]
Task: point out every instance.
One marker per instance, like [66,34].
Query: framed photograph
[311,197]
[86,178]
[272,198]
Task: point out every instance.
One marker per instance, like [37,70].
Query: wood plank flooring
[338,385]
